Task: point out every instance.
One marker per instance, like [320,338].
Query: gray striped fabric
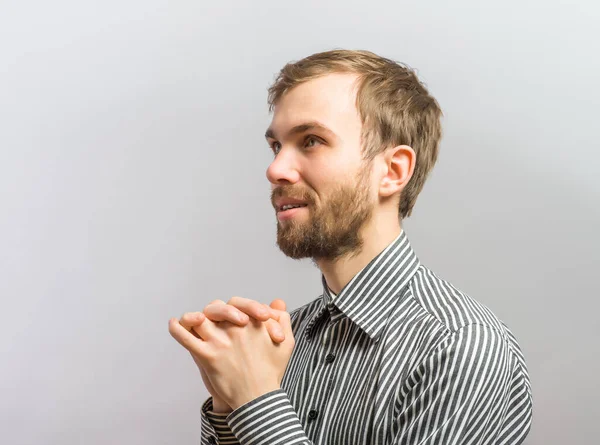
[400,356]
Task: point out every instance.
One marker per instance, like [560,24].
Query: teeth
[291,206]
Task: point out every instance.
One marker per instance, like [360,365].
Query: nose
[283,169]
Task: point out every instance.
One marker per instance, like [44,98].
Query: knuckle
[262,310]
[233,311]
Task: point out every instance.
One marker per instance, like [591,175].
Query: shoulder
[465,320]
[450,306]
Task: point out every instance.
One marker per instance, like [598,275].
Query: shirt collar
[374,291]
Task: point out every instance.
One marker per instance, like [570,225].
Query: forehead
[329,100]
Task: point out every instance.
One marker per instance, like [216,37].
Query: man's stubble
[332,228]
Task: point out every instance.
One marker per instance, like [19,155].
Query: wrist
[242,400]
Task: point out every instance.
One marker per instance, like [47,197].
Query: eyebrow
[302,128]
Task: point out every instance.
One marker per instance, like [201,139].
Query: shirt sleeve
[462,393]
[215,429]
[268,420]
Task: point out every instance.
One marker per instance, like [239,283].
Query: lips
[291,207]
[283,202]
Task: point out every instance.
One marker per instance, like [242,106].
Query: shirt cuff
[215,429]
[269,419]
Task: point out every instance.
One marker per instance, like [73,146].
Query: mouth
[288,211]
[285,207]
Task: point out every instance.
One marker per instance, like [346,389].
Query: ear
[397,168]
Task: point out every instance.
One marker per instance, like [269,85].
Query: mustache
[292,193]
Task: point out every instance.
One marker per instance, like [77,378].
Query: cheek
[326,174]
[319,177]
[323,183]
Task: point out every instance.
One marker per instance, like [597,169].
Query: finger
[226,312]
[252,308]
[286,324]
[198,325]
[275,331]
[191,319]
[278,304]
[217,302]
[186,339]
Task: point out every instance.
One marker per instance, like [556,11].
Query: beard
[332,229]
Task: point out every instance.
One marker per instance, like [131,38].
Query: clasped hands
[241,348]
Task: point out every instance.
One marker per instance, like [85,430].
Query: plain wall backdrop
[133,189]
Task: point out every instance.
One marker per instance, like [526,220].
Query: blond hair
[394,106]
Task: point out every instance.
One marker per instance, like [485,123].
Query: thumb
[278,304]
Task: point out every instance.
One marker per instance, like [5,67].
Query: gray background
[133,189]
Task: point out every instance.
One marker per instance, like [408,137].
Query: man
[390,353]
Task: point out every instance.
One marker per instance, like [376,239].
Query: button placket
[329,359]
[324,335]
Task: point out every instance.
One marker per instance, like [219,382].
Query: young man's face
[316,137]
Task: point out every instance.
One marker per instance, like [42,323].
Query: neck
[377,234]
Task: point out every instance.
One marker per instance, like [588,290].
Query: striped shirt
[399,356]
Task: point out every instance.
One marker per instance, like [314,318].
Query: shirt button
[312,414]
[330,358]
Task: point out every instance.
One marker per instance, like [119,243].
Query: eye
[311,141]
[275,146]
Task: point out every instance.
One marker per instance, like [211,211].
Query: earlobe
[388,187]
